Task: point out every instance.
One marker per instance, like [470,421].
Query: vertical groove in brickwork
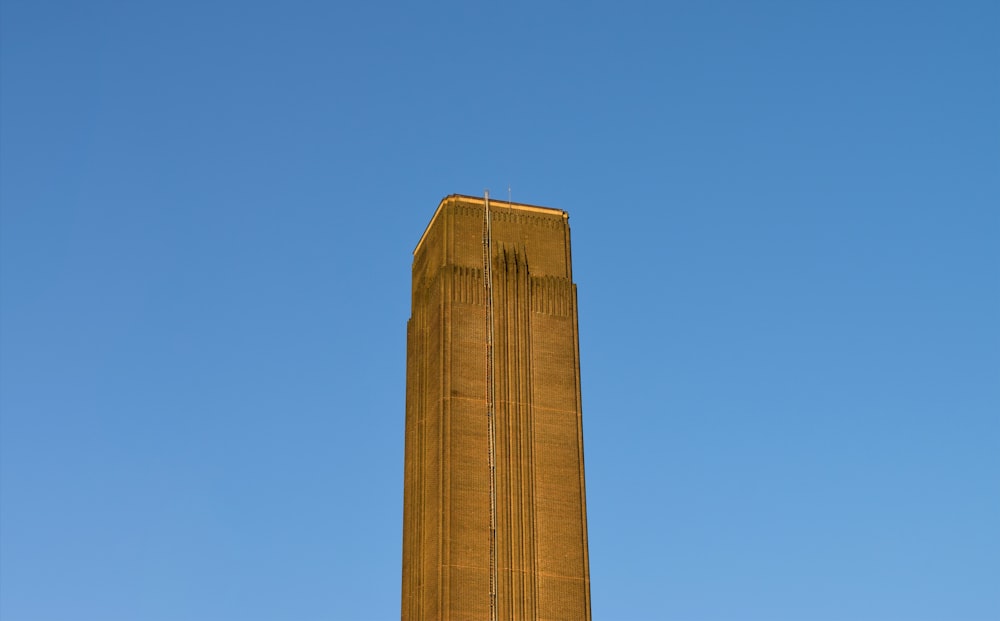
[418,491]
[530,567]
[409,475]
[580,463]
[528,484]
[418,577]
[446,332]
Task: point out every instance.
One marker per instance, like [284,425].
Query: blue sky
[786,236]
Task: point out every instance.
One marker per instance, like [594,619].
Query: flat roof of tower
[480,200]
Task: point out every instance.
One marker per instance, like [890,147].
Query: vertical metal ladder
[491,394]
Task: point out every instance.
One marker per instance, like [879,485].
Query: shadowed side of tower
[531,384]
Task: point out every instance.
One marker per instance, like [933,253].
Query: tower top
[479,200]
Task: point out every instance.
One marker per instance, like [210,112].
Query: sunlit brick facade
[541,567]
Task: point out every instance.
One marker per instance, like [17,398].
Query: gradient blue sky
[786,234]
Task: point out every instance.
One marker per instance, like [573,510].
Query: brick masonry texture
[543,571]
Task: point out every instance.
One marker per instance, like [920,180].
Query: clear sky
[786,235]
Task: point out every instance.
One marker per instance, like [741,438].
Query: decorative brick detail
[467,285]
[551,295]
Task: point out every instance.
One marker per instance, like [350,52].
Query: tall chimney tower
[494,509]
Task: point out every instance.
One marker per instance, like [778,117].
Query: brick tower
[494,511]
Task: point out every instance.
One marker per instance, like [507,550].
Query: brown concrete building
[494,511]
